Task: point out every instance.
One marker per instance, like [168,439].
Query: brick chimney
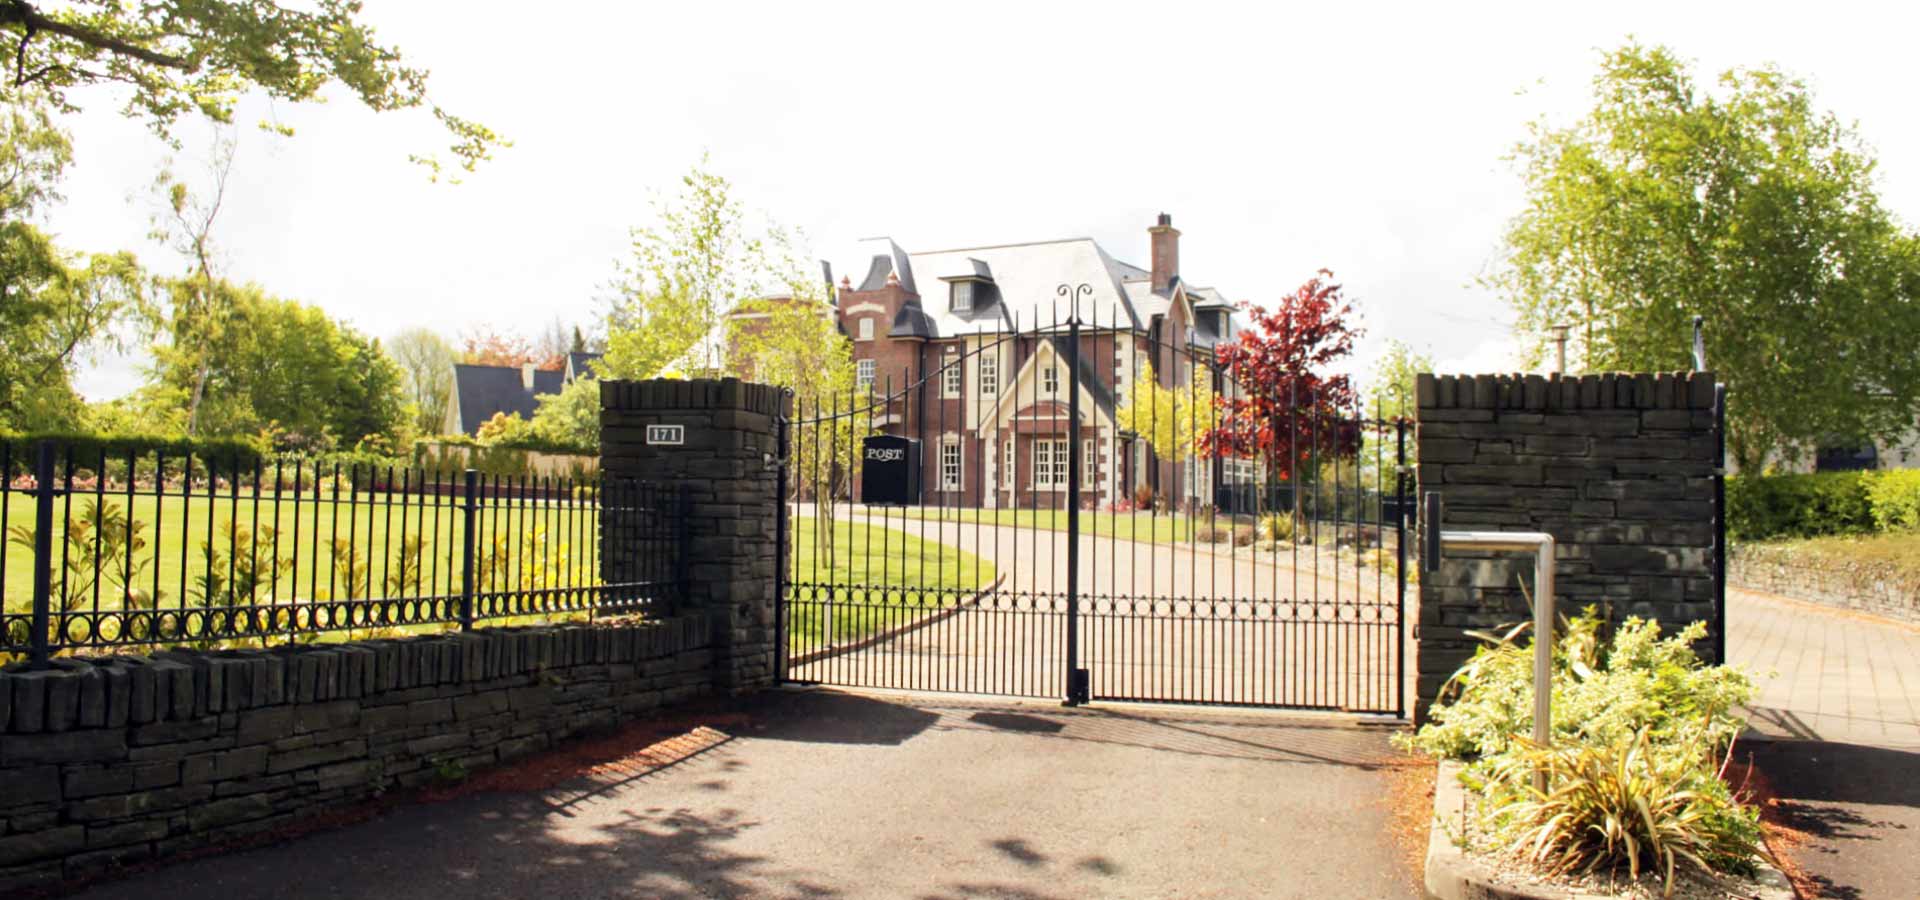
[1166,252]
[526,377]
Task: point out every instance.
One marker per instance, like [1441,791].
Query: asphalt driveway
[826,794]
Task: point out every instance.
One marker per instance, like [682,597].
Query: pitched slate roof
[579,365]
[1017,287]
[482,391]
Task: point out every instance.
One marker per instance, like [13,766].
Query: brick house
[965,342]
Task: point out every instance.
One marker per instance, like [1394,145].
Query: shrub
[1640,730]
[1143,497]
[1895,496]
[1277,526]
[1799,506]
[1629,803]
[1211,533]
[1243,536]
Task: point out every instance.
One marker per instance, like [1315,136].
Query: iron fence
[109,550]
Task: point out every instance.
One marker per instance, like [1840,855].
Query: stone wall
[1618,468]
[113,760]
[1877,589]
[725,465]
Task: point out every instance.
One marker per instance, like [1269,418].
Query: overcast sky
[1367,139]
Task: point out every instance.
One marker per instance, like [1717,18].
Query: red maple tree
[1283,409]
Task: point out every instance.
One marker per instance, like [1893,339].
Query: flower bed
[1642,733]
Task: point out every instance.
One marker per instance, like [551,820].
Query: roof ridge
[1069,240]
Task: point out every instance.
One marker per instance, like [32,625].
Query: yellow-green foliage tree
[1172,420]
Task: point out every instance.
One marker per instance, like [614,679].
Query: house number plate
[666,434]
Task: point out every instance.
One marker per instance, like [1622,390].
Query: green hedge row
[1828,503]
[86,450]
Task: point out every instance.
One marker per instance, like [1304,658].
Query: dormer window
[962,294]
[865,328]
[971,289]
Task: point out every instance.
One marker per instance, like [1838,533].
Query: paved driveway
[1839,724]
[823,794]
[1157,622]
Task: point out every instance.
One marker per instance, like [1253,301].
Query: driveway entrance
[1059,540]
[825,794]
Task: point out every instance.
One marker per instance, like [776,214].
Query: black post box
[890,471]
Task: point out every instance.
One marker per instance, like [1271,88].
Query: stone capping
[657,394]
[1566,393]
[1453,875]
[106,761]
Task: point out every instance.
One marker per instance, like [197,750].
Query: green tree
[1744,204]
[701,261]
[286,369]
[1390,388]
[426,372]
[798,345]
[571,417]
[56,308]
[198,56]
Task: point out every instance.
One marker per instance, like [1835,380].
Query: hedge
[1829,503]
[86,450]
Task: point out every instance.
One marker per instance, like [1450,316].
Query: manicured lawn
[871,578]
[310,550]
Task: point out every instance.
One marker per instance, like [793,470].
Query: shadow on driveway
[1860,807]
[825,794]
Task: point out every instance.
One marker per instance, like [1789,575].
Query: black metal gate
[1087,530]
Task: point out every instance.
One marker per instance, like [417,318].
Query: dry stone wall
[1619,468]
[109,761]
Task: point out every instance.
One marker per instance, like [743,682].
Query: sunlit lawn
[876,578]
[298,544]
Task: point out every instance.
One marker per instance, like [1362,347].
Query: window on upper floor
[863,376]
[951,380]
[864,329]
[1050,380]
[989,375]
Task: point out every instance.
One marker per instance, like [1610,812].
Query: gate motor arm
[1541,545]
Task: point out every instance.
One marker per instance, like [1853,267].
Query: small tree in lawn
[1284,408]
[797,346]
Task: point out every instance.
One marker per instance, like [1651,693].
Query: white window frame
[953,482]
[1091,461]
[1008,460]
[989,374]
[1050,380]
[1047,475]
[953,381]
[864,328]
[864,373]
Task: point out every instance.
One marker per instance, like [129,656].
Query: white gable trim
[1025,386]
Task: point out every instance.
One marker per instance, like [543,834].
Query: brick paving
[1835,675]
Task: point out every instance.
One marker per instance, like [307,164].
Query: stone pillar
[729,434]
[1618,468]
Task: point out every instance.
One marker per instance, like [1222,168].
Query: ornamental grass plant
[1642,730]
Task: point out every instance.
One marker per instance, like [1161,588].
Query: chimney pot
[526,376]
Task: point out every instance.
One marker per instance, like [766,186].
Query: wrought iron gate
[1088,530]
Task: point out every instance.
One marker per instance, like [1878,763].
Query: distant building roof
[481,391]
[579,365]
